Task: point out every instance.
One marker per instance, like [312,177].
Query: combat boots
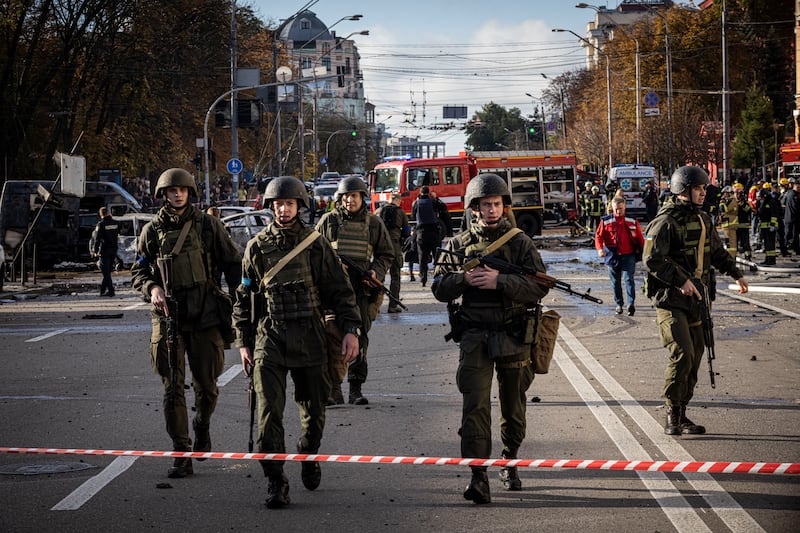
[202,438]
[509,476]
[310,472]
[688,427]
[478,488]
[672,426]
[336,397]
[181,467]
[277,491]
[355,397]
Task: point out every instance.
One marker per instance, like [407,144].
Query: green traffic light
[354,133]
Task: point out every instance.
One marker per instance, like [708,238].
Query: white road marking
[721,503]
[134,306]
[48,335]
[94,484]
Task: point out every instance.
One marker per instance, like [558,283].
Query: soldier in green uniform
[297,273]
[362,237]
[200,249]
[396,221]
[496,328]
[682,244]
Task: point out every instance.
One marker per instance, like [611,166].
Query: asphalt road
[71,380]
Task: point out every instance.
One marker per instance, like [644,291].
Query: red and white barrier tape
[710,467]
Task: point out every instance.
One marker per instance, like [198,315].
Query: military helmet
[176,177]
[351,184]
[686,177]
[285,188]
[486,185]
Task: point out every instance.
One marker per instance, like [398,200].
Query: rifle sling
[507,236]
[305,243]
[181,238]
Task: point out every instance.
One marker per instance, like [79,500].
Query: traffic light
[531,129]
[354,134]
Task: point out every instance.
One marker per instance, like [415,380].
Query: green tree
[496,128]
[755,135]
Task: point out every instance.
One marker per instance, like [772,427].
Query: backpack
[389,216]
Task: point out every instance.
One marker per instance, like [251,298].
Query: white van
[632,180]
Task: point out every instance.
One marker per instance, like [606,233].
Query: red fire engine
[542,183]
[790,160]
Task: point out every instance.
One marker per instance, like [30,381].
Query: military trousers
[394,271]
[311,390]
[682,334]
[205,351]
[474,378]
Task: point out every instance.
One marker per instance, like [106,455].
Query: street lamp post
[314,110]
[544,125]
[284,74]
[608,91]
[327,145]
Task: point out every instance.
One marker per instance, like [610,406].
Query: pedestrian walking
[290,274]
[427,212]
[493,327]
[103,246]
[619,241]
[199,248]
[682,245]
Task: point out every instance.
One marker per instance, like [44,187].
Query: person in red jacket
[619,241]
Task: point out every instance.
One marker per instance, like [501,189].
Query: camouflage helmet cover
[285,188]
[686,177]
[176,177]
[351,184]
[486,185]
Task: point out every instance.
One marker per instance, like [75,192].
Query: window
[305,24]
[452,175]
[417,177]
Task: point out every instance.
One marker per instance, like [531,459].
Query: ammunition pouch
[291,300]
[546,332]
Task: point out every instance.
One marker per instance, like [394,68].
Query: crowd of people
[302,299]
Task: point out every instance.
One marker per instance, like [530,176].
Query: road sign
[651,99]
[652,111]
[323,160]
[234,166]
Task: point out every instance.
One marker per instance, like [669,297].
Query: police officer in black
[427,213]
[104,247]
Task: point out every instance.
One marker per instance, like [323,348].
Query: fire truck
[790,160]
[542,183]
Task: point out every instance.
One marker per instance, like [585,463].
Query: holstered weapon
[171,322]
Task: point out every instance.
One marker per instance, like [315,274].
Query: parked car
[2,267]
[130,227]
[245,225]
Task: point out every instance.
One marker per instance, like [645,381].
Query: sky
[421,55]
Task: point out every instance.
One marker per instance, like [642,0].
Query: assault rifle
[350,264]
[708,326]
[509,268]
[171,322]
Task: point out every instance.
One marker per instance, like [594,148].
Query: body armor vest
[352,240]
[474,297]
[189,266]
[291,294]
